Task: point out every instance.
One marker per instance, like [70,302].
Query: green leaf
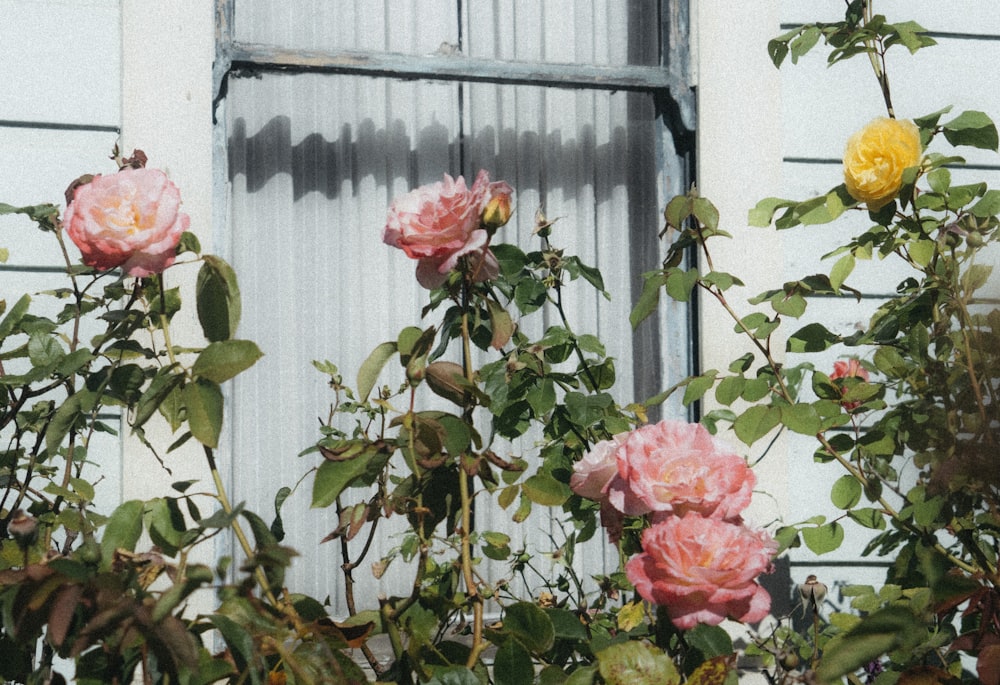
[761,215]
[122,530]
[812,337]
[697,386]
[868,517]
[203,400]
[501,323]
[372,366]
[680,282]
[332,477]
[225,359]
[239,641]
[705,212]
[975,277]
[755,422]
[729,389]
[512,665]
[14,316]
[841,270]
[846,492]
[62,421]
[566,624]
[883,631]
[801,418]
[218,299]
[824,538]
[649,299]
[711,641]
[988,205]
[972,128]
[166,380]
[44,350]
[543,489]
[529,625]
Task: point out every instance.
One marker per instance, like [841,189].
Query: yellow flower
[876,157]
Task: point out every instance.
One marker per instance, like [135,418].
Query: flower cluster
[130,219]
[876,157]
[439,223]
[699,560]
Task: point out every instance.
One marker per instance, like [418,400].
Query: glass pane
[315,161]
[558,31]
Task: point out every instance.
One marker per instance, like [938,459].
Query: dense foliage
[116,594]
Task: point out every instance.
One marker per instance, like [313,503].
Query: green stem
[220,491]
[465,493]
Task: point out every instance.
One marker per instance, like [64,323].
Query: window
[330,110]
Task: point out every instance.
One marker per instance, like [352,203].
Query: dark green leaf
[225,359]
[972,128]
[513,665]
[812,337]
[203,401]
[122,530]
[543,489]
[218,299]
[876,634]
[846,493]
[529,625]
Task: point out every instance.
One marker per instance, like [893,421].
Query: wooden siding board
[973,17]
[65,59]
[845,96]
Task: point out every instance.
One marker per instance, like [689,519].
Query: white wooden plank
[37,165]
[824,105]
[64,57]
[961,16]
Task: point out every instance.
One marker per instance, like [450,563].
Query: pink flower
[591,478]
[703,570]
[131,220]
[849,369]
[674,467]
[439,223]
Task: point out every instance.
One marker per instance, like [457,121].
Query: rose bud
[23,528]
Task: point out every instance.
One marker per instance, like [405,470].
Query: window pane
[315,161]
[558,31]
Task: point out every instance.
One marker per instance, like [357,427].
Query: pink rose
[703,570]
[592,476]
[849,369]
[439,223]
[674,467]
[131,220]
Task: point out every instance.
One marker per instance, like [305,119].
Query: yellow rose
[875,158]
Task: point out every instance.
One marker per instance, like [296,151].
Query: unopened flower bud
[812,593]
[497,211]
[23,528]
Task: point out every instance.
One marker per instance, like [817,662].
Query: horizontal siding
[66,59]
[973,17]
[823,106]
[60,62]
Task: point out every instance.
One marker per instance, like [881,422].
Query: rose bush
[438,224]
[703,570]
[876,157]
[130,219]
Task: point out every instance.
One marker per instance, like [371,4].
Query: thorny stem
[466,501]
[220,492]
